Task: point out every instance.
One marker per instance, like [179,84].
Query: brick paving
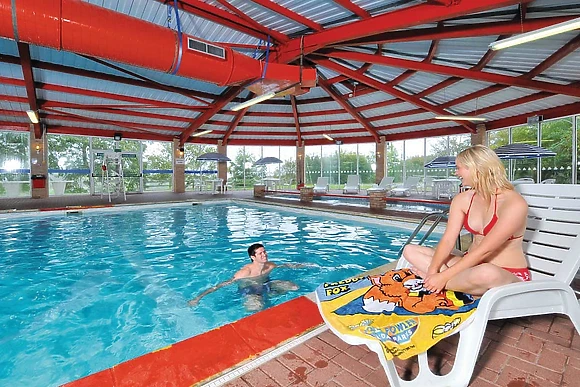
[524,352]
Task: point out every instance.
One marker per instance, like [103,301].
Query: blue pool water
[81,293]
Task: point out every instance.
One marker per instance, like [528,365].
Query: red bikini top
[489,226]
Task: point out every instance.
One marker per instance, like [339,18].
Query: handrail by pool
[439,216]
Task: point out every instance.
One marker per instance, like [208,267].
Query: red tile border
[198,358]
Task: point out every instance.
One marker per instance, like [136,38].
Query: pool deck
[536,352]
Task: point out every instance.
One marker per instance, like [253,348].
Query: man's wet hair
[252,249]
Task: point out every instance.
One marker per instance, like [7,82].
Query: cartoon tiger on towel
[404,289]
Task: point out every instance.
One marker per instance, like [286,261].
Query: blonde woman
[496,216]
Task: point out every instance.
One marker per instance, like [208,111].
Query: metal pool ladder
[437,217]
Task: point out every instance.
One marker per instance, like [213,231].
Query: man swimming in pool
[254,281]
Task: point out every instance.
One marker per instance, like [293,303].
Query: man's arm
[195,301]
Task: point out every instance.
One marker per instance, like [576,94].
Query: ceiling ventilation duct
[80,27]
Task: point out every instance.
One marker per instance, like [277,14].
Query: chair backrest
[549,181]
[352,180]
[525,179]
[386,182]
[411,182]
[322,182]
[552,237]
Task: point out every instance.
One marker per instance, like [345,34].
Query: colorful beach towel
[394,309]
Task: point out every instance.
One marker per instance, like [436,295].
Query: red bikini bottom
[523,273]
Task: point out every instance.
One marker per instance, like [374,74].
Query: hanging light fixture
[201,133]
[33,115]
[536,34]
[461,118]
[326,136]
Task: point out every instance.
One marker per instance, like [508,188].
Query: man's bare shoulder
[244,272]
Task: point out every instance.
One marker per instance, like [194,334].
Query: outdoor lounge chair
[409,185]
[385,184]
[321,185]
[552,247]
[352,184]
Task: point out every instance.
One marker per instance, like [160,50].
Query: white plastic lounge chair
[352,184]
[385,184]
[447,189]
[409,185]
[549,181]
[321,185]
[552,247]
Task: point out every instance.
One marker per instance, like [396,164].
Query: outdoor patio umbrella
[268,160]
[441,162]
[522,151]
[213,156]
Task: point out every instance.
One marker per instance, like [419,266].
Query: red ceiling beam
[226,98]
[458,72]
[106,77]
[348,107]
[296,119]
[233,125]
[460,31]
[63,116]
[269,4]
[553,113]
[399,19]
[112,110]
[227,19]
[563,52]
[389,89]
[25,62]
[349,5]
[56,129]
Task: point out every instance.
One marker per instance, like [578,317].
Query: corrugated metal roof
[73,91]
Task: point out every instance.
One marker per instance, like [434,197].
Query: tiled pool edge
[200,359]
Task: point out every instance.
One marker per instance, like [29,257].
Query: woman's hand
[435,283]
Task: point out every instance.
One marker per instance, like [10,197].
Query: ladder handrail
[439,215]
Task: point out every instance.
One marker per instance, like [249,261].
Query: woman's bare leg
[479,279]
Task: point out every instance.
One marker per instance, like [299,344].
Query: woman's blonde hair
[488,172]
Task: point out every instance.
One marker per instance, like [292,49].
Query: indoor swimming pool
[81,292]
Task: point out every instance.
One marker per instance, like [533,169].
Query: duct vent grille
[206,48]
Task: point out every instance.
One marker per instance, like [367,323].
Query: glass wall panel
[519,168]
[68,164]
[270,170]
[577,150]
[435,147]
[395,160]
[312,164]
[157,166]
[198,172]
[331,165]
[557,137]
[288,167]
[367,164]
[15,164]
[414,157]
[349,162]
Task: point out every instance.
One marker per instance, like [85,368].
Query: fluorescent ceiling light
[201,133]
[253,101]
[536,34]
[326,136]
[33,115]
[461,118]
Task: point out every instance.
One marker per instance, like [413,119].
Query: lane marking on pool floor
[203,357]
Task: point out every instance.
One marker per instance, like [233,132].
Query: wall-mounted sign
[179,161]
